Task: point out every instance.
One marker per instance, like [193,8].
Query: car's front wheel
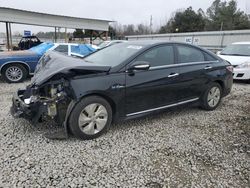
[14,73]
[212,97]
[90,118]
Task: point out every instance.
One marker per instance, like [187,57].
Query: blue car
[15,66]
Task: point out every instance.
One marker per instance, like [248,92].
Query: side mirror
[139,65]
[218,53]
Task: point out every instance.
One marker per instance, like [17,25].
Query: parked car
[238,54]
[28,42]
[109,43]
[121,82]
[15,66]
[73,49]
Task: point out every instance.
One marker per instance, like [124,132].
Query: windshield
[42,48]
[237,49]
[113,55]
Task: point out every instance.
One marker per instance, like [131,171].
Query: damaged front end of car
[49,100]
[50,95]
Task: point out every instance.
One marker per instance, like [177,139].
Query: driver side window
[158,56]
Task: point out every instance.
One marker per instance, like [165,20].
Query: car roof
[63,43]
[241,43]
[153,42]
[117,40]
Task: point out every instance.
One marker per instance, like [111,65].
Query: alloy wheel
[93,119]
[213,97]
[14,73]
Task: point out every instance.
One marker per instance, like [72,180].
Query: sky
[122,11]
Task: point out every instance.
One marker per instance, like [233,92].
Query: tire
[84,121]
[213,93]
[20,70]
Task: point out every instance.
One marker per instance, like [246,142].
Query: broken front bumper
[20,109]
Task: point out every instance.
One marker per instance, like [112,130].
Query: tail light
[230,68]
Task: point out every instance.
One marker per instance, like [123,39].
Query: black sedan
[121,82]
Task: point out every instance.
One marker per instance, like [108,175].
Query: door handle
[173,75]
[208,67]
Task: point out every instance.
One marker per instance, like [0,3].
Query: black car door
[194,66]
[155,87]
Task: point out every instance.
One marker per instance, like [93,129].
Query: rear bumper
[228,84]
[20,109]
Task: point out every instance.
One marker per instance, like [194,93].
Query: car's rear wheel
[212,97]
[14,73]
[90,118]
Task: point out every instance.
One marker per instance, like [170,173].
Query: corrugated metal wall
[213,40]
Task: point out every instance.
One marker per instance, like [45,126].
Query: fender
[69,110]
[19,62]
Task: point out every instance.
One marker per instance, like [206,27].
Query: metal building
[10,15]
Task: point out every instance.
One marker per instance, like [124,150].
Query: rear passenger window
[158,56]
[188,54]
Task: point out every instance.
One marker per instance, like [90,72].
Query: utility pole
[10,35]
[7,35]
[247,7]
[151,24]
[55,35]
[65,35]
[221,26]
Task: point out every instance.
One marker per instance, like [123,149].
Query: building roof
[50,20]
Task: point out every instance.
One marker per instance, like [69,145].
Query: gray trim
[10,62]
[163,107]
[181,64]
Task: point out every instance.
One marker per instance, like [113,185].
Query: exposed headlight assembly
[244,65]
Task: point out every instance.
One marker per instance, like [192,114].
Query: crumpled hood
[17,54]
[53,63]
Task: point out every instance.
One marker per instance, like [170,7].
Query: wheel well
[108,99]
[17,63]
[221,84]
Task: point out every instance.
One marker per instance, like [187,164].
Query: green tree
[129,29]
[78,33]
[185,21]
[142,29]
[88,33]
[112,33]
[222,15]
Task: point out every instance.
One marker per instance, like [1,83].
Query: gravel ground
[182,147]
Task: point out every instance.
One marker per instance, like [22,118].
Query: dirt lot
[182,147]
